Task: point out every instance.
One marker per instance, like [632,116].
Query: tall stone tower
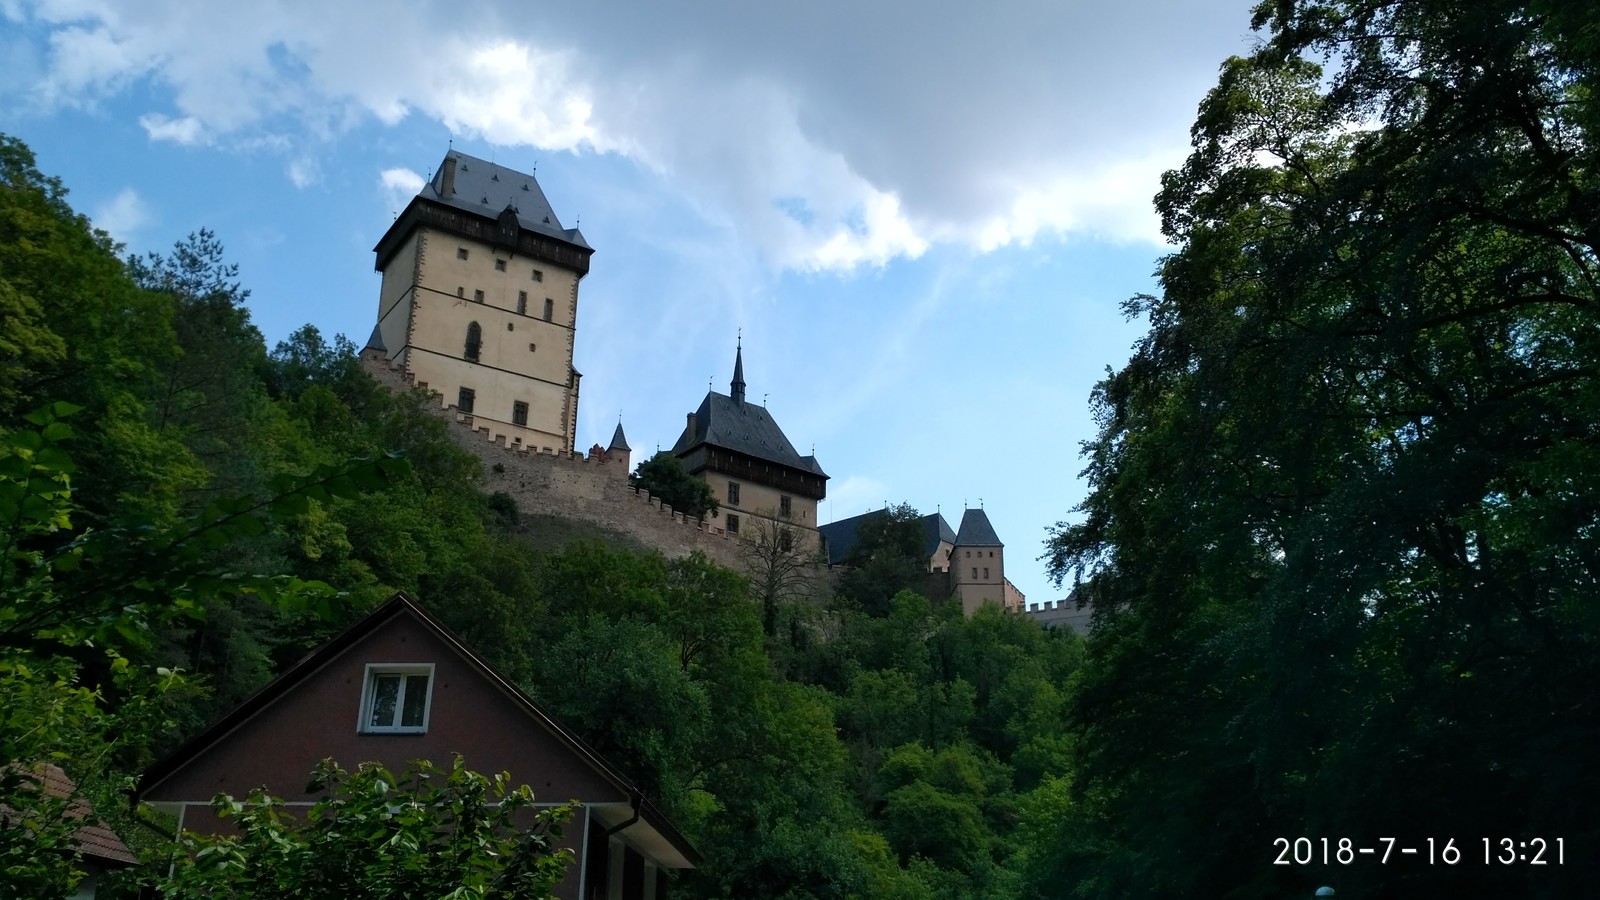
[977,563]
[480,300]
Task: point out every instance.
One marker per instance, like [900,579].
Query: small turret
[619,453]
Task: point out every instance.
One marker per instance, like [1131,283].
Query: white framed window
[397,699]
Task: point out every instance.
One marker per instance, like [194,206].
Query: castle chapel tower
[755,473]
[480,300]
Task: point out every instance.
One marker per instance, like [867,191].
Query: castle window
[783,507]
[974,573]
[549,308]
[461,291]
[522,303]
[397,698]
[477,296]
[733,493]
[461,253]
[519,413]
[733,524]
[464,399]
[985,573]
[474,342]
[785,541]
[538,275]
[499,265]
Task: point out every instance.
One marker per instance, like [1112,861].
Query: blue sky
[922,216]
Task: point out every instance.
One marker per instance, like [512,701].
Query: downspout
[636,801]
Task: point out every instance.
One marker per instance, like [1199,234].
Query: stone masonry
[590,488]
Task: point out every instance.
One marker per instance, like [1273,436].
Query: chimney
[448,181]
[690,426]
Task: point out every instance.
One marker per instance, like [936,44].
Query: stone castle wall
[591,488]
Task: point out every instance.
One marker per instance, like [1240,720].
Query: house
[968,563]
[398,686]
[754,472]
[479,300]
[97,847]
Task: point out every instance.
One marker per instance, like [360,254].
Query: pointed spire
[618,441]
[737,392]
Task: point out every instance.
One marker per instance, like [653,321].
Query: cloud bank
[834,135]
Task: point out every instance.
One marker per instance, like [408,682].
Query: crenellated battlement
[592,487]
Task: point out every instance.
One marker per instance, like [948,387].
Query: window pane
[385,693]
[416,701]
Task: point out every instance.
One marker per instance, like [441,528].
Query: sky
[921,217]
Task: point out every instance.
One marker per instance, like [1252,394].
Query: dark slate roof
[487,189]
[743,428]
[619,441]
[842,538]
[976,531]
[376,341]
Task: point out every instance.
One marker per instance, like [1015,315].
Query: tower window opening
[474,342]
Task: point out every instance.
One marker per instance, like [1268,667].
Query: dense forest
[1341,534]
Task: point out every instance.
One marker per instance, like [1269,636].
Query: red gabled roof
[93,839]
[397,606]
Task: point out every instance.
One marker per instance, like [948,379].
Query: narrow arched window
[474,341]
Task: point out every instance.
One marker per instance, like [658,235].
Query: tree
[429,834]
[79,606]
[888,557]
[1334,536]
[664,477]
[783,561]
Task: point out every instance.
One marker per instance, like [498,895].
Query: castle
[479,304]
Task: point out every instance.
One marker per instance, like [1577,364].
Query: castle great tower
[480,300]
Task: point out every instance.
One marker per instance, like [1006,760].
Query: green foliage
[429,833]
[1339,532]
[665,478]
[888,557]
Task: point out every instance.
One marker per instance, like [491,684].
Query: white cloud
[304,172]
[122,215]
[970,127]
[186,130]
[399,186]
